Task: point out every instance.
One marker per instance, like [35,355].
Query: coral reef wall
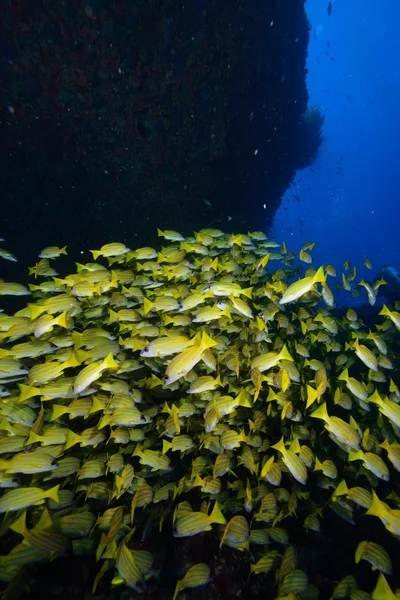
[120,116]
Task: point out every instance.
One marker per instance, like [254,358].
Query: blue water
[354,77]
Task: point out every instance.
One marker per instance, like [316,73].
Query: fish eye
[166,379]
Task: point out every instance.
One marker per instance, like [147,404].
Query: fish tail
[356,455]
[318,465]
[61,320]
[27,391]
[360,551]
[53,493]
[19,526]
[63,250]
[166,446]
[96,254]
[341,489]
[267,467]
[104,421]
[385,444]
[207,341]
[227,312]
[242,399]
[133,508]
[137,451]
[109,362]
[284,354]
[344,375]
[72,439]
[312,395]
[3,464]
[375,397]
[36,310]
[177,589]
[217,516]
[33,438]
[320,412]
[385,311]
[214,264]
[77,337]
[58,411]
[377,508]
[320,276]
[280,445]
[147,306]
[247,292]
[196,340]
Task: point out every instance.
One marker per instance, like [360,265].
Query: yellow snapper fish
[231,383]
[393,315]
[297,289]
[167,345]
[186,360]
[92,372]
[267,361]
[110,250]
[13,289]
[295,465]
[190,523]
[23,497]
[52,252]
[7,255]
[339,428]
[196,576]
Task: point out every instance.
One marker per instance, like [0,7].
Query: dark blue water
[348,201]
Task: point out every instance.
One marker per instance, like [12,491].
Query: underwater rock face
[123,116]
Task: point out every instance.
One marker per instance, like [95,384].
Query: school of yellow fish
[208,383]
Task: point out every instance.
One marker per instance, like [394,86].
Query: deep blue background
[354,77]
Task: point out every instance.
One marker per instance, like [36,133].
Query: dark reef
[118,117]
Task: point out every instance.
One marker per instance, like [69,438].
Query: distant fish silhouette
[330,8]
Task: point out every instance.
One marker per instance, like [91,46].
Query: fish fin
[207,341]
[147,306]
[27,391]
[267,467]
[377,508]
[217,516]
[312,395]
[355,455]
[242,399]
[247,292]
[33,438]
[61,320]
[177,589]
[284,354]
[109,362]
[53,493]
[360,551]
[19,525]
[166,446]
[72,439]
[58,411]
[280,445]
[320,412]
